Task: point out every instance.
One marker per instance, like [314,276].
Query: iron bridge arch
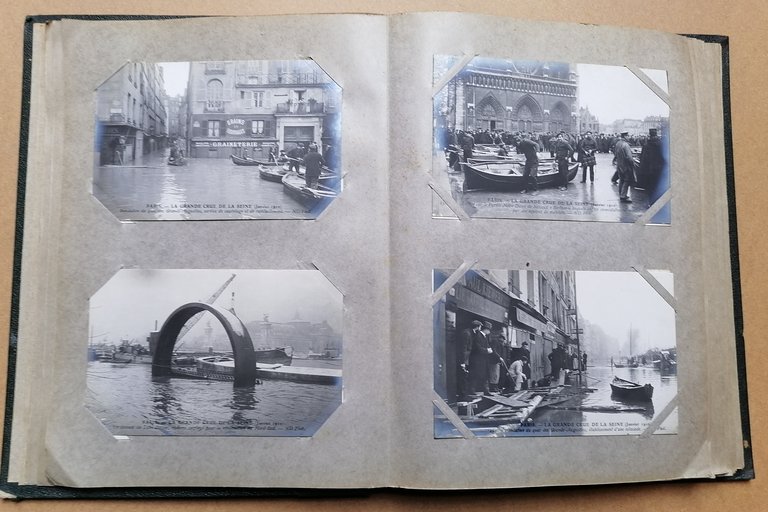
[242,346]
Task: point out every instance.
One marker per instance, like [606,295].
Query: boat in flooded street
[295,186]
[272,172]
[628,390]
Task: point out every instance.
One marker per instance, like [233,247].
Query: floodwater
[202,189]
[597,412]
[129,401]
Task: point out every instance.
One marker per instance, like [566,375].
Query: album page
[561,290]
[204,280]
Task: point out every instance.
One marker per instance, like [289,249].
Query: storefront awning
[526,317]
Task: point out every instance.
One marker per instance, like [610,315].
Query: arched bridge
[242,346]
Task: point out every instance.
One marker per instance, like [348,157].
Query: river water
[129,401]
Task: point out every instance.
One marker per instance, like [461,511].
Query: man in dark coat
[625,165]
[652,163]
[563,155]
[313,163]
[463,349]
[556,361]
[530,149]
[467,142]
[479,358]
[294,158]
[587,148]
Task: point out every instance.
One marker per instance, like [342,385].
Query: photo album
[433,251]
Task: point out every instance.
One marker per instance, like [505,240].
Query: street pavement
[594,201]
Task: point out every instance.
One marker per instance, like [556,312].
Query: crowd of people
[487,363]
[566,148]
[306,154]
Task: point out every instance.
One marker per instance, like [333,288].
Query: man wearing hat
[530,149]
[479,359]
[625,166]
[563,154]
[313,163]
[463,349]
[651,164]
[587,148]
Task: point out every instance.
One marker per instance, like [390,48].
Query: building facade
[177,117]
[131,114]
[537,307]
[496,94]
[253,105]
[588,122]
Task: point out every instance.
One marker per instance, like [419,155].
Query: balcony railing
[215,68]
[214,106]
[300,108]
[255,79]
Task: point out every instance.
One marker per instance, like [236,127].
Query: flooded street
[202,189]
[601,413]
[594,412]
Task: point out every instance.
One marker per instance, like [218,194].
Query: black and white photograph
[529,139]
[218,140]
[554,353]
[215,352]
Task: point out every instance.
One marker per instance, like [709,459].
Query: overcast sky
[130,303]
[614,92]
[175,75]
[617,301]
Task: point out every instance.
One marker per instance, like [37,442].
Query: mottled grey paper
[378,243]
[694,247]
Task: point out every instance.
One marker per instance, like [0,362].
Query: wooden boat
[295,186]
[509,175]
[274,356]
[272,173]
[210,367]
[483,159]
[629,390]
[239,160]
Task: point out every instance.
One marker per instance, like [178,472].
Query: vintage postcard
[563,353]
[530,139]
[215,352]
[218,140]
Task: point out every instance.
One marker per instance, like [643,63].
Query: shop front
[473,298]
[219,136]
[528,325]
[119,144]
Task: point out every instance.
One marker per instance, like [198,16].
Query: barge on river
[222,368]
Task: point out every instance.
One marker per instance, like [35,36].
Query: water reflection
[129,401]
[204,188]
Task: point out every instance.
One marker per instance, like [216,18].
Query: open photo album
[430,251]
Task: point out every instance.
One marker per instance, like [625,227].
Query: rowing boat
[629,390]
[272,173]
[295,186]
[239,160]
[509,175]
